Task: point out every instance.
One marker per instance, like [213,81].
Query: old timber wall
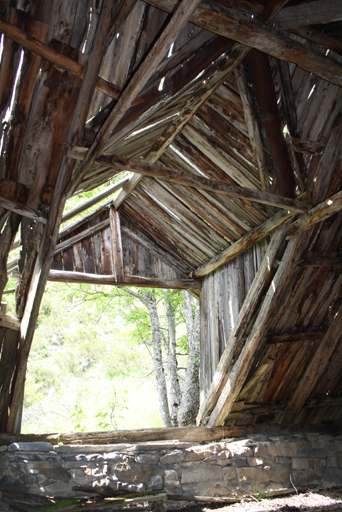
[229,468]
[223,293]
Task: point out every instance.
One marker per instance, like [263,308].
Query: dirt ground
[310,501]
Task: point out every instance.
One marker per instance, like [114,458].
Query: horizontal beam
[62,61]
[311,13]
[145,282]
[317,214]
[23,210]
[8,322]
[241,245]
[164,173]
[93,200]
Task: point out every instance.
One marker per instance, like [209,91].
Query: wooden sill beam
[23,210]
[161,172]
[145,282]
[57,59]
[241,245]
[318,214]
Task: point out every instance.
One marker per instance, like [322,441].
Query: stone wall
[231,468]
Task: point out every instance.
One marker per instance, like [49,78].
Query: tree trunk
[190,398]
[174,388]
[150,302]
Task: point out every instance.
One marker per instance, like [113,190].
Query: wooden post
[116,245]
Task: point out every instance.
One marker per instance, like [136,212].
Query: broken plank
[319,213]
[146,282]
[23,210]
[244,243]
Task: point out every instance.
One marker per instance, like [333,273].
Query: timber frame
[214,129]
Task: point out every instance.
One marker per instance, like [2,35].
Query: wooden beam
[23,210]
[315,369]
[316,36]
[147,282]
[93,200]
[318,214]
[62,61]
[321,259]
[138,81]
[235,377]
[247,311]
[114,220]
[234,25]
[251,238]
[8,322]
[164,173]
[310,13]
[307,147]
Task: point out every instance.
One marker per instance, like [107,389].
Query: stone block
[240,462]
[312,453]
[261,451]
[79,477]
[229,474]
[300,463]
[30,447]
[307,476]
[171,477]
[280,473]
[241,448]
[331,477]
[336,446]
[172,458]
[255,461]
[56,472]
[332,462]
[145,458]
[3,448]
[155,483]
[215,489]
[135,487]
[202,473]
[253,475]
[282,449]
[193,456]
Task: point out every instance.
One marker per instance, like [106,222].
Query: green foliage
[260,493]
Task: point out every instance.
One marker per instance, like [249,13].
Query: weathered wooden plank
[251,32]
[238,371]
[245,315]
[62,61]
[310,13]
[321,259]
[23,210]
[62,246]
[244,243]
[316,36]
[140,78]
[114,218]
[315,368]
[318,214]
[315,334]
[307,146]
[82,277]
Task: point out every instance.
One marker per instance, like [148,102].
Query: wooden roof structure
[228,117]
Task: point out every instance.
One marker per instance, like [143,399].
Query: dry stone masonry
[231,468]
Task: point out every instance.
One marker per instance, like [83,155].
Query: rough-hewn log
[311,335]
[307,146]
[147,282]
[23,210]
[244,243]
[318,214]
[164,173]
[251,32]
